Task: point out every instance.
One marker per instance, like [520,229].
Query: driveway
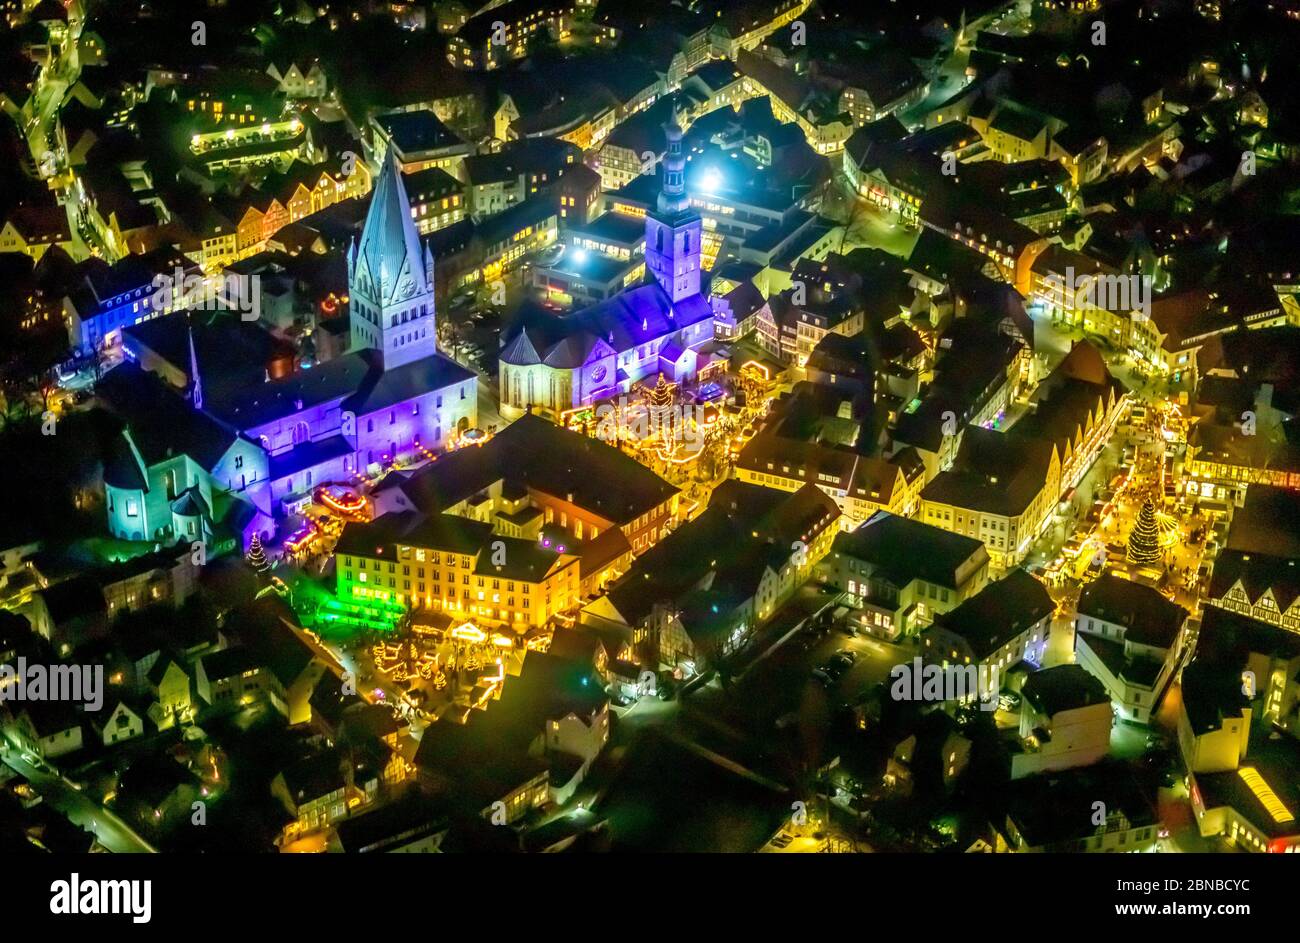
[62,796]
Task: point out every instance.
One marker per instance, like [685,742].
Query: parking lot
[782,685]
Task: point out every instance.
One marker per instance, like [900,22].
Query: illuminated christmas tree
[660,400]
[1144,539]
[661,395]
[257,556]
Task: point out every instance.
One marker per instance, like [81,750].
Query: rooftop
[1148,617]
[1264,789]
[903,549]
[1063,688]
[563,464]
[998,613]
[417,132]
[1055,810]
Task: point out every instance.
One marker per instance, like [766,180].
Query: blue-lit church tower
[390,278]
[672,231]
[664,326]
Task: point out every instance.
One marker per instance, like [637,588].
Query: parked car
[833,669]
[551,255]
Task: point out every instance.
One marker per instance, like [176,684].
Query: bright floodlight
[712,180]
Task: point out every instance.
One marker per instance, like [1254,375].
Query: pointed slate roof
[391,265]
[574,350]
[520,350]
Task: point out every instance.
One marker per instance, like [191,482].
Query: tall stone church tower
[672,231]
[390,278]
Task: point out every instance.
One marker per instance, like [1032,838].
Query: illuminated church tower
[672,231]
[390,278]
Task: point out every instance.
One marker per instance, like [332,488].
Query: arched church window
[686,242]
[659,240]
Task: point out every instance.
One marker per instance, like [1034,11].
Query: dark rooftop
[1055,810]
[415,132]
[999,612]
[1149,618]
[555,461]
[1063,688]
[904,549]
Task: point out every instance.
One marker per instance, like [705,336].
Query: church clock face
[406,288]
[598,373]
